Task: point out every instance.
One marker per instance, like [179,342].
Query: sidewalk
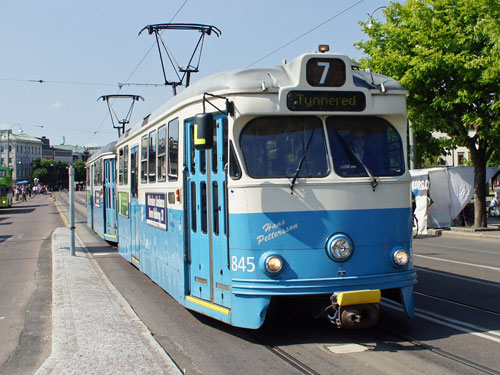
[491,233]
[94,330]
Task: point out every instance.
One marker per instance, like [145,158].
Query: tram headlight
[274,264]
[339,247]
[400,257]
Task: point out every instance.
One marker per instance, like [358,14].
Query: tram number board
[325,72]
[327,101]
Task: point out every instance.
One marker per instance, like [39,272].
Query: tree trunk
[480,219]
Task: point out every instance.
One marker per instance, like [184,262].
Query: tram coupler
[357,309]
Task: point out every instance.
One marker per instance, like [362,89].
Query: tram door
[134,213]
[111,229]
[206,209]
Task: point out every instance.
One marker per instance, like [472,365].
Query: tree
[446,53]
[80,173]
[50,172]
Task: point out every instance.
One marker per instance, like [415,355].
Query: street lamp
[370,16]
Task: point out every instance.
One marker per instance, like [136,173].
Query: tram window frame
[144,159]
[162,153]
[234,165]
[152,156]
[173,150]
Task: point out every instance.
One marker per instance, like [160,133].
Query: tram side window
[144,158]
[125,165]
[173,149]
[280,146]
[120,166]
[98,173]
[152,157]
[365,142]
[162,143]
[134,171]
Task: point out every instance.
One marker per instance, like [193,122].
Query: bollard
[71,189]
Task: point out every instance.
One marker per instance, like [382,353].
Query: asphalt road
[456,328]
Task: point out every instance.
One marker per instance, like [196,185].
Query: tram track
[438,351]
[291,360]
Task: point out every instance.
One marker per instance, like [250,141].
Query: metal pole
[72,207]
[413,147]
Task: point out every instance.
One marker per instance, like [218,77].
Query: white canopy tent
[448,188]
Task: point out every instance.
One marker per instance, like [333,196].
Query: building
[455,157]
[19,151]
[65,153]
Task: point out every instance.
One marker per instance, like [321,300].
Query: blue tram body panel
[99,223]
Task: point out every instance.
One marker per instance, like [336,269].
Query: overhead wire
[120,85]
[304,34]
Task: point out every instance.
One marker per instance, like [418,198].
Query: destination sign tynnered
[329,101]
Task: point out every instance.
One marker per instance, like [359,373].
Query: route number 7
[326,67]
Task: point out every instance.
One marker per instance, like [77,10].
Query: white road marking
[347,348]
[457,262]
[466,249]
[451,323]
[483,282]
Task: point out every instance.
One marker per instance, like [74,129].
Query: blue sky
[83,49]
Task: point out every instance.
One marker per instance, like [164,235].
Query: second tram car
[101,193]
[263,184]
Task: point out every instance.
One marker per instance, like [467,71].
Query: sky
[81,50]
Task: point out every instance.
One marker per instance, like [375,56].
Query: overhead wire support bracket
[120,123]
[185,78]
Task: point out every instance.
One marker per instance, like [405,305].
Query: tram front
[318,193]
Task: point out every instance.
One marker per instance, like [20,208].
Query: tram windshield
[295,146]
[364,145]
[274,147]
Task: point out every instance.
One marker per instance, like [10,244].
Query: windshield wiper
[352,155]
[301,162]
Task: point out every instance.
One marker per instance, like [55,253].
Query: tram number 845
[244,264]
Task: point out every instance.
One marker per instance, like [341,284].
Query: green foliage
[446,53]
[80,173]
[50,172]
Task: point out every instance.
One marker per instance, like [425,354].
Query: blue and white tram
[101,193]
[261,184]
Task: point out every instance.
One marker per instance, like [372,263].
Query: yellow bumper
[358,297]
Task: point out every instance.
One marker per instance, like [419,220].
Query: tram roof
[109,148]
[271,77]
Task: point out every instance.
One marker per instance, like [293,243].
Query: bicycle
[414,226]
